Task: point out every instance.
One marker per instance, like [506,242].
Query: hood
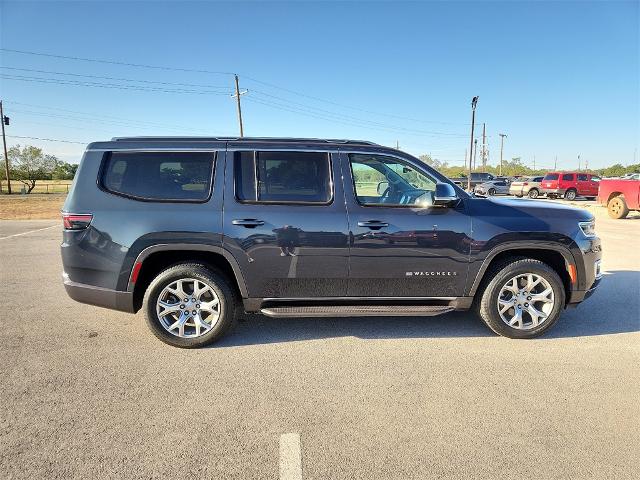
[542,209]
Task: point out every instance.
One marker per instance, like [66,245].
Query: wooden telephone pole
[237,95]
[502,135]
[4,119]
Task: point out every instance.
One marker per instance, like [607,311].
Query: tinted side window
[551,176]
[283,177]
[161,176]
[388,181]
[537,179]
[568,177]
[582,177]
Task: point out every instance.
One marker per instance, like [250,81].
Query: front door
[285,222]
[402,245]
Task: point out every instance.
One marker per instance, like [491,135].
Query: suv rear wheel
[534,193]
[492,192]
[523,299]
[617,207]
[571,194]
[189,305]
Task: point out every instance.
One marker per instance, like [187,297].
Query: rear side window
[551,176]
[283,177]
[582,177]
[537,179]
[159,176]
[568,177]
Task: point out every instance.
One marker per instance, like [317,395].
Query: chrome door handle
[248,222]
[373,224]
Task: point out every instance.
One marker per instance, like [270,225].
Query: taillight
[525,183]
[74,221]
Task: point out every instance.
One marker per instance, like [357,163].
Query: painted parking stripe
[27,233]
[290,457]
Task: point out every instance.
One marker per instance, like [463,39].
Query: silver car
[529,186]
[494,187]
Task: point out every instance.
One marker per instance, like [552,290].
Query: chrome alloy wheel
[188,308]
[525,301]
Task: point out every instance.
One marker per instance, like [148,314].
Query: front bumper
[591,251]
[100,297]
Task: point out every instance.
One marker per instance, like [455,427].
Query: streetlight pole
[474,102]
[475,153]
[502,135]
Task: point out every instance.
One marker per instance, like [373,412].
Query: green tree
[64,171]
[30,164]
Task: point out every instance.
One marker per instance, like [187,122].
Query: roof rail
[243,139]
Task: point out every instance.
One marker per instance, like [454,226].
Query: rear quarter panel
[103,255]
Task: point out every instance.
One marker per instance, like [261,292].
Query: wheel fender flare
[185,247]
[569,258]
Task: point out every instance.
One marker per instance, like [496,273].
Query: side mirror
[445,195]
[382,187]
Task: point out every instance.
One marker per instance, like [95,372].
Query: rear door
[400,246]
[285,222]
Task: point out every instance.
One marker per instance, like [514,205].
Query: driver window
[389,181]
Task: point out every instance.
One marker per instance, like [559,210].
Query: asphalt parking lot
[90,393]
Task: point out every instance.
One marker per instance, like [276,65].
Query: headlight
[588,228]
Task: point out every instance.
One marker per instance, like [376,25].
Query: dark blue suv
[198,231]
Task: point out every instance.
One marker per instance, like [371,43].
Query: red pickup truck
[570,184]
[619,196]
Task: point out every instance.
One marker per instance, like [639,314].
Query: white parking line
[30,231]
[290,457]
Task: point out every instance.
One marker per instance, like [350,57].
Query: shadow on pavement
[613,308]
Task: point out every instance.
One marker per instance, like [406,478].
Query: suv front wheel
[523,299]
[189,305]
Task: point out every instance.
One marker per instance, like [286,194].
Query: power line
[113,62]
[60,81]
[163,67]
[47,139]
[99,118]
[115,78]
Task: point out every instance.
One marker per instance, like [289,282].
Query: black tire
[534,193]
[498,276]
[617,207]
[228,303]
[492,192]
[570,194]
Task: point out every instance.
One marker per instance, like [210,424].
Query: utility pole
[484,147]
[474,102]
[586,165]
[578,162]
[5,121]
[502,135]
[534,163]
[237,95]
[475,153]
[397,145]
[555,163]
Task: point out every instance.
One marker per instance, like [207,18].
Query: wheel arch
[614,194]
[154,259]
[556,256]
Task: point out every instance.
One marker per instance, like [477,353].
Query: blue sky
[559,78]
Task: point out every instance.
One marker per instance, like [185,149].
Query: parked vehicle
[196,231]
[476,179]
[529,186]
[631,176]
[495,187]
[619,196]
[570,184]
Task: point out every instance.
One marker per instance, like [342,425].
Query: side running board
[356,311]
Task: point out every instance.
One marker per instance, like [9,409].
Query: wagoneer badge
[431,274]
